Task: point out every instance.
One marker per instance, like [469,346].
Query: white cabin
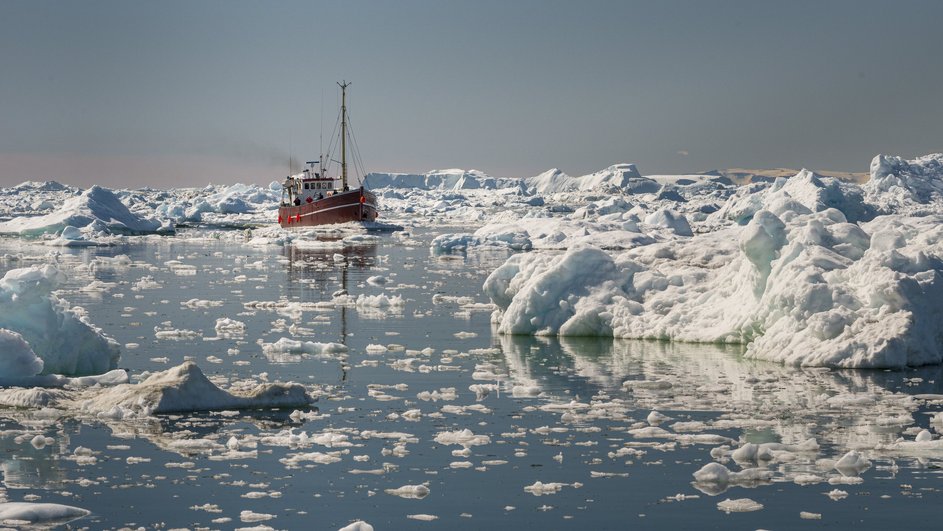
[308,186]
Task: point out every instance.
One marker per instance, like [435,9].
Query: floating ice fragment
[836,494]
[249,516]
[714,478]
[359,525]
[741,505]
[37,513]
[185,388]
[463,437]
[852,464]
[655,418]
[422,517]
[414,492]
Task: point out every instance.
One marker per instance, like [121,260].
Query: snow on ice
[797,283]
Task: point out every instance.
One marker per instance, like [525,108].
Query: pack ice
[44,343]
[807,271]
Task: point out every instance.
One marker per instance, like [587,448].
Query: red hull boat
[339,207]
[311,198]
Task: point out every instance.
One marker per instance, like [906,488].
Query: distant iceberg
[450,179]
[620,178]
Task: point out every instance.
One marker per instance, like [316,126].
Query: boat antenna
[343,85]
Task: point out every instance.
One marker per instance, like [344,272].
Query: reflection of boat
[308,278]
[312,197]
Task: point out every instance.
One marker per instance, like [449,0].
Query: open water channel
[574,415]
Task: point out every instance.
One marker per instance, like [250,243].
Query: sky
[183,93]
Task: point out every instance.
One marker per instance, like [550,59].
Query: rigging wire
[332,145]
[358,161]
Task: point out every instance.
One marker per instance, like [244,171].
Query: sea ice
[805,289]
[96,206]
[62,337]
[38,513]
[185,388]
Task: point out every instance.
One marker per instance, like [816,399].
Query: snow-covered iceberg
[913,187]
[800,287]
[97,206]
[220,200]
[805,192]
[624,178]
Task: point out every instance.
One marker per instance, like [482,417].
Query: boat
[314,198]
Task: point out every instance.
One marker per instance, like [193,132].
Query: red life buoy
[298,217]
[363,199]
[279,218]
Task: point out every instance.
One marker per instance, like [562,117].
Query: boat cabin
[307,187]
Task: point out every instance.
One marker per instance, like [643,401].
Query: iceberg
[185,388]
[622,178]
[803,288]
[913,187]
[62,338]
[96,205]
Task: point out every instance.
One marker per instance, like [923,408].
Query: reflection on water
[578,409]
[28,465]
[850,409]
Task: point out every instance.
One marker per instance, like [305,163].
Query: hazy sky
[167,93]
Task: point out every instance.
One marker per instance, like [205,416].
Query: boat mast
[344,86]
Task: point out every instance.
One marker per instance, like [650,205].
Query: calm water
[140,479]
